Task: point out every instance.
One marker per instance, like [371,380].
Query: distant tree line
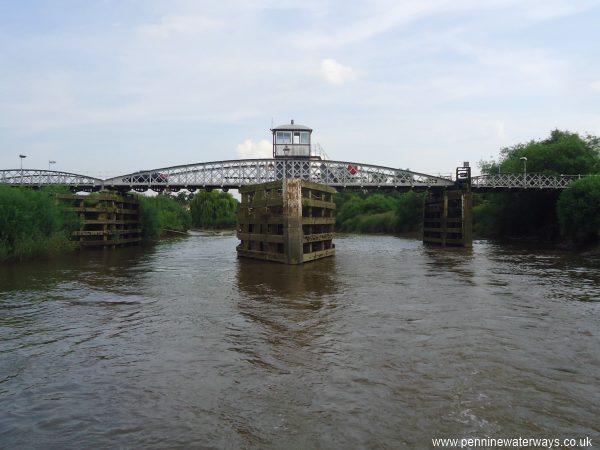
[380,212]
[205,209]
[214,209]
[161,214]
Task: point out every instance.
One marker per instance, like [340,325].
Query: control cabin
[292,141]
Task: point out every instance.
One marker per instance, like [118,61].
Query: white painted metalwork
[35,177]
[506,181]
[235,173]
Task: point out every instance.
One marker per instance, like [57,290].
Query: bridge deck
[237,173]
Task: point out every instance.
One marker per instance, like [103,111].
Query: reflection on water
[386,345]
[450,261]
[267,280]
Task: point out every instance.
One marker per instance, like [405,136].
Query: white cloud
[595,86]
[335,73]
[181,25]
[374,20]
[545,10]
[250,149]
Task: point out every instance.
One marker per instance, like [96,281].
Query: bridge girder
[233,174]
[43,177]
[521,181]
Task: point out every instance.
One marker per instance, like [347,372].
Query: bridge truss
[35,177]
[236,173]
[517,181]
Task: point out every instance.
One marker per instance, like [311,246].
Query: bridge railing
[523,181]
[236,173]
[36,177]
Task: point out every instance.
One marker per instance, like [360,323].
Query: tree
[409,211]
[214,209]
[379,212]
[533,213]
[578,210]
[562,152]
[162,212]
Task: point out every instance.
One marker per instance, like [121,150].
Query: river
[387,345]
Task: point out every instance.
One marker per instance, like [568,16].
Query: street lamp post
[22,158]
[524,159]
[50,163]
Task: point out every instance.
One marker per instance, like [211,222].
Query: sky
[108,87]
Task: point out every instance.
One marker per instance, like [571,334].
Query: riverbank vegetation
[534,213]
[379,212]
[205,209]
[34,223]
[161,214]
[213,209]
[578,211]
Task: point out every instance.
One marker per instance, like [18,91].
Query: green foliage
[561,153]
[485,212]
[379,213]
[33,222]
[409,211]
[578,210]
[184,198]
[161,213]
[214,209]
[533,213]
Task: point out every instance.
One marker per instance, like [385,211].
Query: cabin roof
[291,127]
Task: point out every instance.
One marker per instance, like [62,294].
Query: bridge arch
[232,174]
[43,177]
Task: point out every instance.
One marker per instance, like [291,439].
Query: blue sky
[107,87]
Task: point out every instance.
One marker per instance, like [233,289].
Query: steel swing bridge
[233,174]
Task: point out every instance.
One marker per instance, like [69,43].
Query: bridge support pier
[448,218]
[289,221]
[107,219]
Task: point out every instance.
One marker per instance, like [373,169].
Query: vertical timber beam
[292,224]
[467,217]
[448,218]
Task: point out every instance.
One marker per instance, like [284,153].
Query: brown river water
[389,344]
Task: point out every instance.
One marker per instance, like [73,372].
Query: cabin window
[304,137]
[283,137]
[296,138]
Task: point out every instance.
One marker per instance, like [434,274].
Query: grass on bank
[34,223]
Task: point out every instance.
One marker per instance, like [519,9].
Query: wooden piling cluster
[289,221]
[448,218]
[107,219]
